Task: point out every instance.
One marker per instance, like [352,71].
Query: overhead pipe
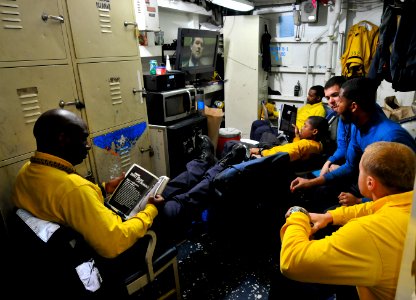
[333,15]
[315,39]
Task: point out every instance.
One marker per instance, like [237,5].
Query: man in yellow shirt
[50,189]
[307,141]
[367,250]
[313,106]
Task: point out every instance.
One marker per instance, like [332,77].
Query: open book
[134,190]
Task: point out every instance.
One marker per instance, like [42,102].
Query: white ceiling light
[240,5]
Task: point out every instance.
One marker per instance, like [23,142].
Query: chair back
[252,192]
[50,266]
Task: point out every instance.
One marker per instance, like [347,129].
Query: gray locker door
[108,93]
[116,149]
[98,28]
[25,36]
[29,92]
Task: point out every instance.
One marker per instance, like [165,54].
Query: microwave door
[173,105]
[188,110]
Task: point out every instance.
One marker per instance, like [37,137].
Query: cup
[159,38]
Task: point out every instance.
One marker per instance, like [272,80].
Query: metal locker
[108,90]
[29,92]
[103,29]
[32,30]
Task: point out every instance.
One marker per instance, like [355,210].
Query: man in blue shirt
[356,105]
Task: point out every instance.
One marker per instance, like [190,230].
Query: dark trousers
[258,127]
[186,197]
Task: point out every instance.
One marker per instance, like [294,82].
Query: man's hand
[333,167]
[325,168]
[348,199]
[113,183]
[296,129]
[156,200]
[320,221]
[299,183]
[255,151]
[302,183]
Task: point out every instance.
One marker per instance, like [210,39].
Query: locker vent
[115,91]
[10,16]
[105,20]
[125,158]
[29,103]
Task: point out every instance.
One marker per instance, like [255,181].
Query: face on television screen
[199,51]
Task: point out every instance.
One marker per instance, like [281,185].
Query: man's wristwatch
[300,209]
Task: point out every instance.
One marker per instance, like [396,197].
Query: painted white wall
[297,53]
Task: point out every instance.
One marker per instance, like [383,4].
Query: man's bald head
[62,133]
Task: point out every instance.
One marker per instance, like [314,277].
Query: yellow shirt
[299,149]
[366,251]
[70,200]
[308,110]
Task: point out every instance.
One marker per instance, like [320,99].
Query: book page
[157,189]
[134,188]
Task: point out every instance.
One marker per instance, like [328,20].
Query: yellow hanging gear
[360,49]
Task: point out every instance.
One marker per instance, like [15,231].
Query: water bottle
[153,66]
[168,66]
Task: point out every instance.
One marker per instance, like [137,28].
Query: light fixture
[240,5]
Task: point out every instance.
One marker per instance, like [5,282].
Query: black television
[204,46]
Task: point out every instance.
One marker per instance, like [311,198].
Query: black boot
[204,149]
[238,154]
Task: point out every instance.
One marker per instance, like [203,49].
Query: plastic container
[159,38]
[200,104]
[168,66]
[225,135]
[152,67]
[161,70]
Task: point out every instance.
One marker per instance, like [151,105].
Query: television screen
[196,50]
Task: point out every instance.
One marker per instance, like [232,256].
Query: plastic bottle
[168,67]
[153,66]
[297,89]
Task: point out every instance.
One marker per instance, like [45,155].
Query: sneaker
[238,154]
[204,148]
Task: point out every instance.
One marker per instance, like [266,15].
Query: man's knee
[172,209]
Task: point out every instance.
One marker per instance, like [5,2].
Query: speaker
[309,12]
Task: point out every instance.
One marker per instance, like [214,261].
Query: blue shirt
[378,128]
[343,139]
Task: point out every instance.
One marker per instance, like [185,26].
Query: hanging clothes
[266,62]
[360,48]
[395,60]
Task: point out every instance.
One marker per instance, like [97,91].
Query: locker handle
[46,17]
[143,91]
[78,104]
[126,23]
[150,149]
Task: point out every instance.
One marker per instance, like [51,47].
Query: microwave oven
[165,107]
